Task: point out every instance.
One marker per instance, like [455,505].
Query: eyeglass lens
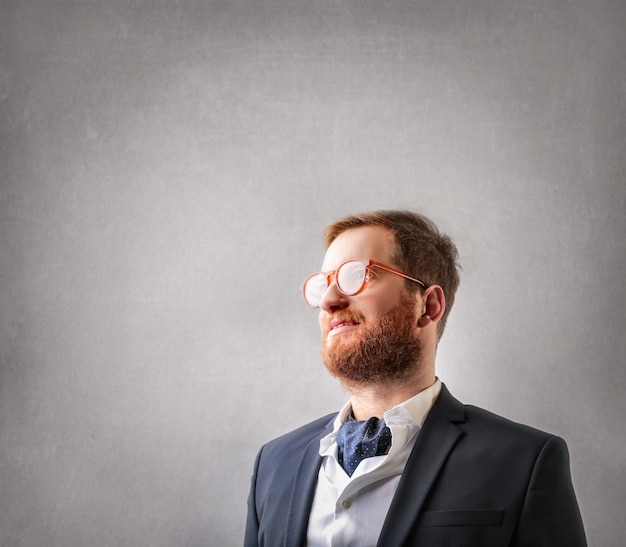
[350,278]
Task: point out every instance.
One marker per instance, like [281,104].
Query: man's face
[370,337]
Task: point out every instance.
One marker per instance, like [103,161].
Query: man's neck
[376,399]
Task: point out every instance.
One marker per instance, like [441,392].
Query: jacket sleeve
[550,515]
[252,521]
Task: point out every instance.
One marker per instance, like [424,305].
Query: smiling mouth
[341,325]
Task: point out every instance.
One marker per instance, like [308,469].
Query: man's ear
[434,304]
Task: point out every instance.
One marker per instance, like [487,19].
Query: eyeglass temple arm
[397,272]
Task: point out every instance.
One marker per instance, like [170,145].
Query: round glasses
[351,279]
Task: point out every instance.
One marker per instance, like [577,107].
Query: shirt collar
[415,409]
[411,412]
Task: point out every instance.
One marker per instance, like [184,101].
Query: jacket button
[346,504]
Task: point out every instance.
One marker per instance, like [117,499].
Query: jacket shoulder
[500,424]
[478,420]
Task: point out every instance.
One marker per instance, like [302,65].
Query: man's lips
[337,326]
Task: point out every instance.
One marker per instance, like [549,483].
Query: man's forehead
[363,242]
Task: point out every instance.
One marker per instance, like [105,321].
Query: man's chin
[339,339]
[338,347]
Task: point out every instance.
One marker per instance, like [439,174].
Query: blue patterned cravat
[358,440]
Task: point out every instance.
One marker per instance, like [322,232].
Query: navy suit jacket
[472,479]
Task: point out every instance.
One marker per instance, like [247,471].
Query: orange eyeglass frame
[368,263]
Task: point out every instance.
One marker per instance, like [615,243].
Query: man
[403,463]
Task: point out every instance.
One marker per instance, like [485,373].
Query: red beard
[386,350]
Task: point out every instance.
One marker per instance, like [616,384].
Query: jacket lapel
[303,491]
[435,441]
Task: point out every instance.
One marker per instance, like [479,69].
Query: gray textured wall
[167,169]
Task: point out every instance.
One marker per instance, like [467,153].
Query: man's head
[384,327]
[418,249]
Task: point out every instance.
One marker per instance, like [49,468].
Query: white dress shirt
[350,511]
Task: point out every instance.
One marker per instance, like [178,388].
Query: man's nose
[333,299]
